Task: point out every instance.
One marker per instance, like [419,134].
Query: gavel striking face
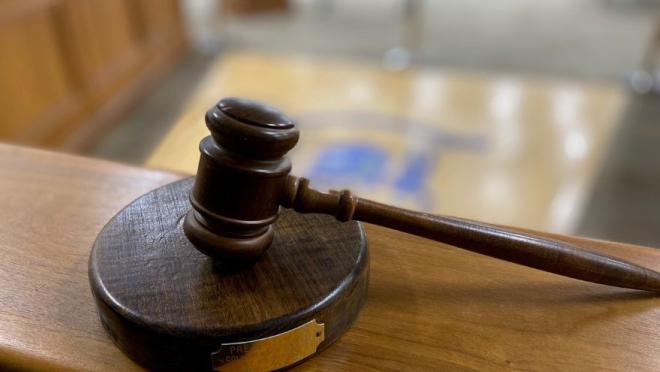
[243,179]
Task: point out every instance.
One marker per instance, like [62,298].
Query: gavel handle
[521,248]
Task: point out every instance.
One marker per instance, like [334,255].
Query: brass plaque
[270,353]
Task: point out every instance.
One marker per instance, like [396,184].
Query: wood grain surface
[170,307]
[526,249]
[52,206]
[430,306]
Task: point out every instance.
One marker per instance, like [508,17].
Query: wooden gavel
[243,179]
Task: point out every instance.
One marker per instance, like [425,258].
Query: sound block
[168,306]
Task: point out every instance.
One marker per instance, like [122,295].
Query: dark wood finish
[251,126]
[244,158]
[169,306]
[430,306]
[70,68]
[522,248]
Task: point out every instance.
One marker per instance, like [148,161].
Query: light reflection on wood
[543,140]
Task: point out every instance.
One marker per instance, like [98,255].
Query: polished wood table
[512,150]
[430,306]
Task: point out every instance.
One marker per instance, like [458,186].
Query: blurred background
[542,115]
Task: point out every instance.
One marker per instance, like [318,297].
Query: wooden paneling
[73,66]
[159,20]
[38,89]
[102,38]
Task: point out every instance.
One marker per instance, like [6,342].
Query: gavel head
[242,171]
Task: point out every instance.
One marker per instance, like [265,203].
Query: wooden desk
[430,306]
[512,150]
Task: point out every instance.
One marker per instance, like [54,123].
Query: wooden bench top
[430,306]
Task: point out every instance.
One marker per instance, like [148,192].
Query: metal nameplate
[270,353]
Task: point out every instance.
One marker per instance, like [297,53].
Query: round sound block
[168,306]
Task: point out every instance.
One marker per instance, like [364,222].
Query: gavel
[243,179]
